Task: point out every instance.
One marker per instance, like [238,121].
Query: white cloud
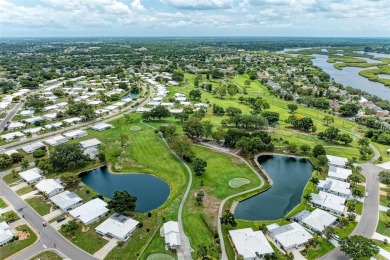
[136,4]
[200,4]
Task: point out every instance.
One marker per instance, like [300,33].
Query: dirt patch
[210,207]
[85,228]
[22,234]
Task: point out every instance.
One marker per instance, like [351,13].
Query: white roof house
[90,211]
[32,147]
[27,113]
[72,120]
[338,173]
[50,116]
[90,143]
[101,126]
[6,233]
[53,125]
[33,119]
[75,134]
[318,220]
[337,161]
[143,109]
[11,136]
[289,236]
[172,234]
[66,200]
[118,226]
[330,202]
[31,176]
[250,244]
[15,125]
[56,140]
[32,130]
[50,187]
[335,187]
[9,152]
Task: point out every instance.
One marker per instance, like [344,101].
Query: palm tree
[14,172]
[358,169]
[357,193]
[315,181]
[308,198]
[317,169]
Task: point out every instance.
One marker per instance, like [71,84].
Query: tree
[358,247]
[199,166]
[182,146]
[24,164]
[159,112]
[207,128]
[195,94]
[345,138]
[123,138]
[384,176]
[70,227]
[250,145]
[193,127]
[220,91]
[168,131]
[322,160]
[329,232]
[314,181]
[5,160]
[122,202]
[68,157]
[219,135]
[233,111]
[70,180]
[318,150]
[292,107]
[363,141]
[17,157]
[232,90]
[349,109]
[128,118]
[357,193]
[328,119]
[317,169]
[305,148]
[228,218]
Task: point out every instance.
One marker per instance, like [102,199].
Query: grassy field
[2,204]
[372,74]
[40,205]
[16,246]
[25,190]
[9,216]
[323,248]
[347,230]
[381,228]
[87,240]
[10,178]
[155,247]
[47,255]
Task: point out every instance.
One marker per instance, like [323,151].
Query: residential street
[10,115]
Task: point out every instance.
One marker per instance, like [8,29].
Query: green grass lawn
[381,228]
[384,201]
[358,206]
[10,178]
[2,204]
[85,192]
[25,190]
[89,240]
[40,205]
[9,216]
[347,230]
[47,255]
[323,248]
[17,245]
[200,221]
[156,246]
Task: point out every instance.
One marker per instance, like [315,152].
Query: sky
[84,18]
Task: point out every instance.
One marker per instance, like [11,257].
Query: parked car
[60,219]
[366,194]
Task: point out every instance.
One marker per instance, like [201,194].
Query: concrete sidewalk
[19,186]
[52,215]
[28,195]
[101,254]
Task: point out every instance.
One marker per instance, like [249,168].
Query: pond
[384,76]
[289,176]
[131,95]
[151,192]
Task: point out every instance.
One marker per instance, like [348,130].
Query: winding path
[220,210]
[185,249]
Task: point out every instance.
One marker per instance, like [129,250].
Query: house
[316,220]
[143,109]
[32,130]
[10,152]
[336,187]
[329,202]
[56,140]
[289,236]
[50,116]
[90,211]
[32,120]
[102,126]
[117,226]
[15,125]
[27,113]
[250,244]
[50,187]
[338,173]
[66,200]
[53,125]
[172,235]
[31,176]
[75,134]
[11,136]
[72,120]
[6,233]
[32,147]
[337,161]
[90,143]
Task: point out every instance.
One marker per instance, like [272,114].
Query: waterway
[289,176]
[151,192]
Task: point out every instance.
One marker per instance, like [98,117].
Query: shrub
[39,153]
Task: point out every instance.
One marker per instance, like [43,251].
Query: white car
[366,194]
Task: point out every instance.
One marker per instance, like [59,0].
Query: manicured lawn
[39,204]
[47,255]
[382,245]
[323,248]
[10,178]
[358,206]
[89,241]
[2,204]
[384,201]
[25,190]
[85,192]
[155,247]
[347,230]
[9,216]
[17,245]
[381,228]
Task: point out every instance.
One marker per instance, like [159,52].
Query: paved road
[48,235]
[370,215]
[10,115]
